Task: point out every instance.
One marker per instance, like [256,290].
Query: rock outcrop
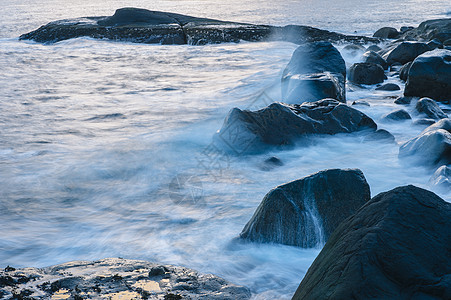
[430,76]
[397,246]
[432,146]
[282,124]
[155,27]
[115,278]
[305,212]
[315,71]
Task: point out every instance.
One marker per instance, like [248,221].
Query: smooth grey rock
[430,147]
[155,27]
[388,87]
[387,33]
[405,52]
[397,246]
[404,71]
[430,108]
[375,58]
[397,115]
[305,212]
[282,125]
[366,73]
[439,29]
[301,79]
[116,278]
[430,76]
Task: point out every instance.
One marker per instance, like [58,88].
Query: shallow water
[105,148]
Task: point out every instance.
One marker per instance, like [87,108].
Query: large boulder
[432,146]
[375,58]
[430,76]
[430,108]
[115,278]
[397,246]
[155,27]
[387,33]
[305,212]
[366,73]
[405,52]
[439,29]
[314,58]
[281,124]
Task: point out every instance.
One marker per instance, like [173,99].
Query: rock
[361,102]
[155,27]
[441,178]
[439,29]
[404,29]
[380,135]
[432,146]
[397,115]
[271,163]
[282,124]
[302,79]
[424,121]
[387,33]
[374,48]
[405,52]
[447,42]
[402,100]
[404,71]
[435,44]
[430,76]
[375,58]
[397,246]
[388,87]
[116,278]
[366,73]
[313,87]
[430,108]
[306,211]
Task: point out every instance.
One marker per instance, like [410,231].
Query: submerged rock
[155,27]
[403,100]
[282,124]
[305,212]
[397,246]
[430,76]
[116,278]
[315,71]
[388,87]
[405,52]
[432,146]
[366,73]
[397,115]
[430,108]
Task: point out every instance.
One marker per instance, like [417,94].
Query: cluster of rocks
[115,278]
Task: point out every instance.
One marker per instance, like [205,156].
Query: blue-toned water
[105,148]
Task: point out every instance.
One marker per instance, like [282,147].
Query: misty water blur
[105,148]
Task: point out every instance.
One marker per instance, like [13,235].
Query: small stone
[388,87]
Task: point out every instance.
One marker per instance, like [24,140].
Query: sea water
[106,148]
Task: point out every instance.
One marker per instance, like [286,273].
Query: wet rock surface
[430,108]
[115,278]
[397,246]
[306,211]
[155,27]
[366,73]
[439,29]
[405,52]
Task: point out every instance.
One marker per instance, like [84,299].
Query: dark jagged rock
[366,73]
[430,76]
[397,246]
[281,124]
[387,33]
[375,58]
[116,278]
[388,87]
[397,115]
[430,108]
[315,71]
[405,52]
[154,27]
[432,146]
[404,71]
[439,29]
[305,212]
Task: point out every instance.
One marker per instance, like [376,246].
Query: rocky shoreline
[394,245]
